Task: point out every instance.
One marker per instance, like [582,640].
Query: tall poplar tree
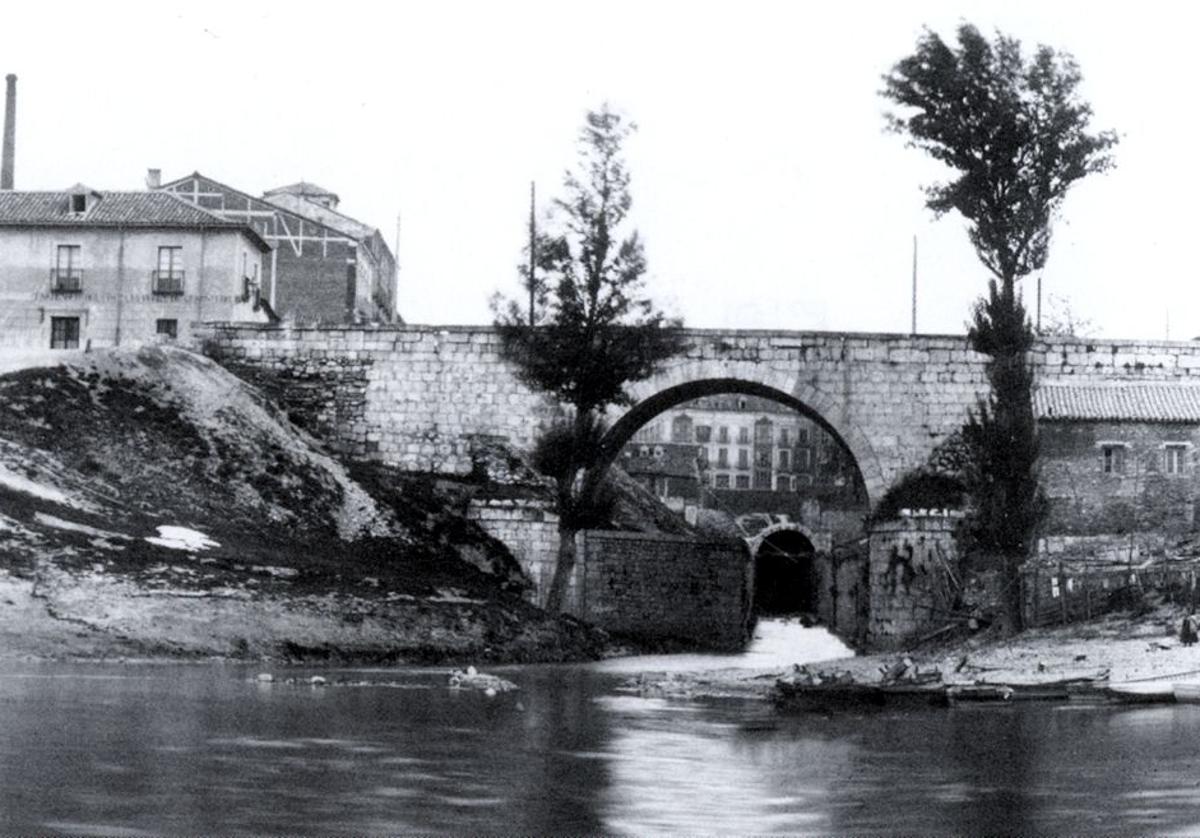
[1016,135]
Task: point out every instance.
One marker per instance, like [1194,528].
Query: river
[139,749]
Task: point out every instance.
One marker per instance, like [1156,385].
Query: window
[703,433]
[802,436]
[168,279]
[762,432]
[64,332]
[762,479]
[723,458]
[67,278]
[78,204]
[169,328]
[743,481]
[722,481]
[681,429]
[762,457]
[803,459]
[783,484]
[785,436]
[702,456]
[723,434]
[744,436]
[1174,459]
[785,459]
[1113,459]
[743,458]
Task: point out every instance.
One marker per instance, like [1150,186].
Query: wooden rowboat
[847,696]
[1141,692]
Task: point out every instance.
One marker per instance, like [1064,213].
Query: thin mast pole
[532,251]
[914,287]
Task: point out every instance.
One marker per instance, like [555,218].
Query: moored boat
[1187,692]
[842,696]
[1141,692]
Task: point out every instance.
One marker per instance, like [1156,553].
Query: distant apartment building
[746,443]
[83,268]
[325,267]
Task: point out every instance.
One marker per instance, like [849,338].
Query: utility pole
[914,287]
[1039,306]
[532,251]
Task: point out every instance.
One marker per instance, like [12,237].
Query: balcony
[66,281]
[167,283]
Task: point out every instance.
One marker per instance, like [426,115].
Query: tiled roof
[677,460]
[1140,401]
[111,209]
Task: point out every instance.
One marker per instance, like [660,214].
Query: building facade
[326,268]
[1120,458]
[748,443]
[84,268]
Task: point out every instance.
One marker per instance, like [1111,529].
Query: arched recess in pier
[785,574]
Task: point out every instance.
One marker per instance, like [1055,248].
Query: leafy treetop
[595,328]
[1016,133]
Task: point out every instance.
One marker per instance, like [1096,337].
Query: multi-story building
[325,266]
[751,443]
[83,268]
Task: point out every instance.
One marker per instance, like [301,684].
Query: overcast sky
[764,186]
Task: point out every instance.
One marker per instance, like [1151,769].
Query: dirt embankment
[151,503]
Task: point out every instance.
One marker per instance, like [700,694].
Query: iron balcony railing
[167,282]
[66,280]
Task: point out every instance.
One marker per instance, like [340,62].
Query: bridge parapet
[415,396]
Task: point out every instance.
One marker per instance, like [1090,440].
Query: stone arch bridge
[422,397]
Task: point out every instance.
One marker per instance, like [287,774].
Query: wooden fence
[1069,591]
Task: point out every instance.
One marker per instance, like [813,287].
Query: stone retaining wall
[529,529]
[665,587]
[911,565]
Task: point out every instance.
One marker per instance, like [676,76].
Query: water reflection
[147,750]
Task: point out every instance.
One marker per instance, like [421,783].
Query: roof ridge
[244,194]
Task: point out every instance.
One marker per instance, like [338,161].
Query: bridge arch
[685,382]
[756,541]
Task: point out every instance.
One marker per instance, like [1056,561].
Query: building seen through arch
[743,454]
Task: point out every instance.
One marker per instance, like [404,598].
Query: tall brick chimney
[10,133]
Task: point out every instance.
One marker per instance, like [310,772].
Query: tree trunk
[564,566]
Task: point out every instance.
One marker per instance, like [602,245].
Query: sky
[765,188]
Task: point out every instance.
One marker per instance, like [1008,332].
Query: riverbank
[152,505]
[1122,647]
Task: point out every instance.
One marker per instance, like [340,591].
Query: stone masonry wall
[412,396]
[667,587]
[909,566]
[530,531]
[1138,494]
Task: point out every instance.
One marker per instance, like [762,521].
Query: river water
[133,749]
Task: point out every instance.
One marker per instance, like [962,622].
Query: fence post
[1062,591]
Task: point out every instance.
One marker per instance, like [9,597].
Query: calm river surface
[205,749]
